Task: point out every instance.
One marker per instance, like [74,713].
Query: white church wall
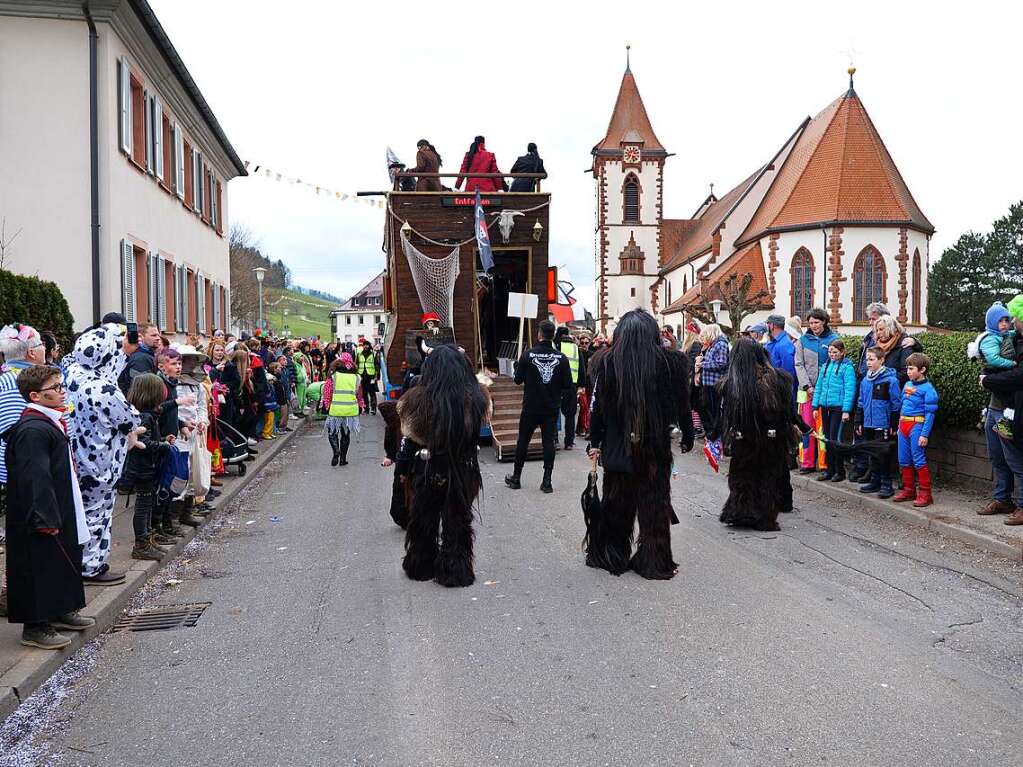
[618,238]
[788,243]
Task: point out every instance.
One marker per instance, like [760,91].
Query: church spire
[629,121]
[628,69]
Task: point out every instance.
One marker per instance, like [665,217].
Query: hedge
[37,303]
[953,375]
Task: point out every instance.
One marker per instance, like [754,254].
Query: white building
[363,315]
[115,169]
[827,221]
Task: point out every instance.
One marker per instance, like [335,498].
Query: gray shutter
[124,104]
[179,290]
[200,303]
[197,181]
[154,288]
[128,280]
[158,137]
[213,200]
[179,162]
[161,292]
[215,291]
[227,310]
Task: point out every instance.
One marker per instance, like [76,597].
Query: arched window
[669,294]
[917,286]
[868,282]
[801,273]
[630,200]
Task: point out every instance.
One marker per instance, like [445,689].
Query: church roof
[748,260]
[698,238]
[839,172]
[629,121]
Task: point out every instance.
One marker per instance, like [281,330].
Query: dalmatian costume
[100,424]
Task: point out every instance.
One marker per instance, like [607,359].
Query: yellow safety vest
[367,366]
[343,401]
[571,351]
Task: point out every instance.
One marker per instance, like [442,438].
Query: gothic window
[802,283]
[917,286]
[868,282]
[630,201]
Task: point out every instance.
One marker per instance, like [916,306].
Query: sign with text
[469,201]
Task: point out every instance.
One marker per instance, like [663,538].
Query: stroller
[233,447]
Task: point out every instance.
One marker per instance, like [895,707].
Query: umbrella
[596,521]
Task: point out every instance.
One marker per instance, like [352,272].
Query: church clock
[631,155]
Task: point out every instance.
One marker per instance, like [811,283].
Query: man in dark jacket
[427,161]
[142,359]
[530,162]
[1009,386]
[46,522]
[545,372]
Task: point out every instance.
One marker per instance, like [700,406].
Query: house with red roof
[827,221]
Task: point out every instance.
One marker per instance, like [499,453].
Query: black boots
[344,440]
[512,481]
[335,448]
[545,486]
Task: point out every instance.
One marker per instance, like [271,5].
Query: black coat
[530,162]
[44,572]
[143,465]
[169,423]
[545,373]
[141,361]
[1009,384]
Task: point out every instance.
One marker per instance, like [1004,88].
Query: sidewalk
[23,669]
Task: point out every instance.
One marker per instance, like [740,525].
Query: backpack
[174,472]
[973,348]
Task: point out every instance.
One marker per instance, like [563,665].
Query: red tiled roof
[629,117]
[697,238]
[673,232]
[748,260]
[839,171]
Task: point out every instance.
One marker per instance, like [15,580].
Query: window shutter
[200,303]
[124,99]
[227,310]
[197,182]
[161,293]
[128,280]
[147,103]
[182,300]
[213,200]
[158,137]
[154,288]
[179,162]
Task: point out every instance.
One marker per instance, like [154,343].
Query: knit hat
[346,360]
[994,315]
[1015,308]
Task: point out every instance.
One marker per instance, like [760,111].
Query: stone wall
[959,456]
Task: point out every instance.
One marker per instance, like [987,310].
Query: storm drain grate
[162,617]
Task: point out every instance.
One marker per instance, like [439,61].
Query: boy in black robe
[45,518]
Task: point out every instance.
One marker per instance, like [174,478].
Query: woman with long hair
[479,160]
[759,420]
[342,400]
[640,391]
[440,420]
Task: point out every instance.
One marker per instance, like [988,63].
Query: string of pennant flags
[263,171]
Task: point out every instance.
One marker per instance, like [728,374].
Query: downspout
[94,159]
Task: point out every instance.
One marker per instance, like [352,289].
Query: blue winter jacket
[880,399]
[783,355]
[836,386]
[993,340]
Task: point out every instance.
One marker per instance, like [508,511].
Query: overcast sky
[319,89]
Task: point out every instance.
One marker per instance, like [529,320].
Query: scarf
[872,375]
[81,524]
[891,343]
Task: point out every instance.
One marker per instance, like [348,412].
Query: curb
[933,520]
[28,674]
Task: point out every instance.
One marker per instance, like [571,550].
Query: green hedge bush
[37,303]
[953,375]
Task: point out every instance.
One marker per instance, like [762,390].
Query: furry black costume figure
[640,390]
[440,420]
[400,458]
[762,426]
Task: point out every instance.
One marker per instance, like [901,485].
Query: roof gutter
[93,159]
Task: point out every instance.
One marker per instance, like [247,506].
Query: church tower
[628,168]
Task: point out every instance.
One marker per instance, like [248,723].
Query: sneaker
[105,577]
[146,552]
[73,622]
[996,507]
[45,638]
[1016,518]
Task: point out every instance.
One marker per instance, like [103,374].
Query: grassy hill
[307,316]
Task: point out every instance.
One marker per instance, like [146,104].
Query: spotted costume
[99,428]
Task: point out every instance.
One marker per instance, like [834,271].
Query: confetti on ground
[251,522]
[490,583]
[594,601]
[282,548]
[275,519]
[172,582]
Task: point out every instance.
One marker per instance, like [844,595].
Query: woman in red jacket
[479,160]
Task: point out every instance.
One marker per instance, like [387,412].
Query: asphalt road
[842,639]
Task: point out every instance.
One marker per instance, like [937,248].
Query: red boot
[923,493]
[908,491]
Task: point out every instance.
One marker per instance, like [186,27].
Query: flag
[483,236]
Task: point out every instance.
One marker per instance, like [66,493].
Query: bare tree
[5,242]
[734,294]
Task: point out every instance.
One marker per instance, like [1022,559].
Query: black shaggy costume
[762,427]
[440,421]
[392,450]
[640,391]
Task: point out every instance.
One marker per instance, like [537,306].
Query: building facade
[827,221]
[362,315]
[115,168]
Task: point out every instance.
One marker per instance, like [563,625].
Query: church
[827,221]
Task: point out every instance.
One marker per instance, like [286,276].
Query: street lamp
[715,307]
[287,330]
[260,274]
